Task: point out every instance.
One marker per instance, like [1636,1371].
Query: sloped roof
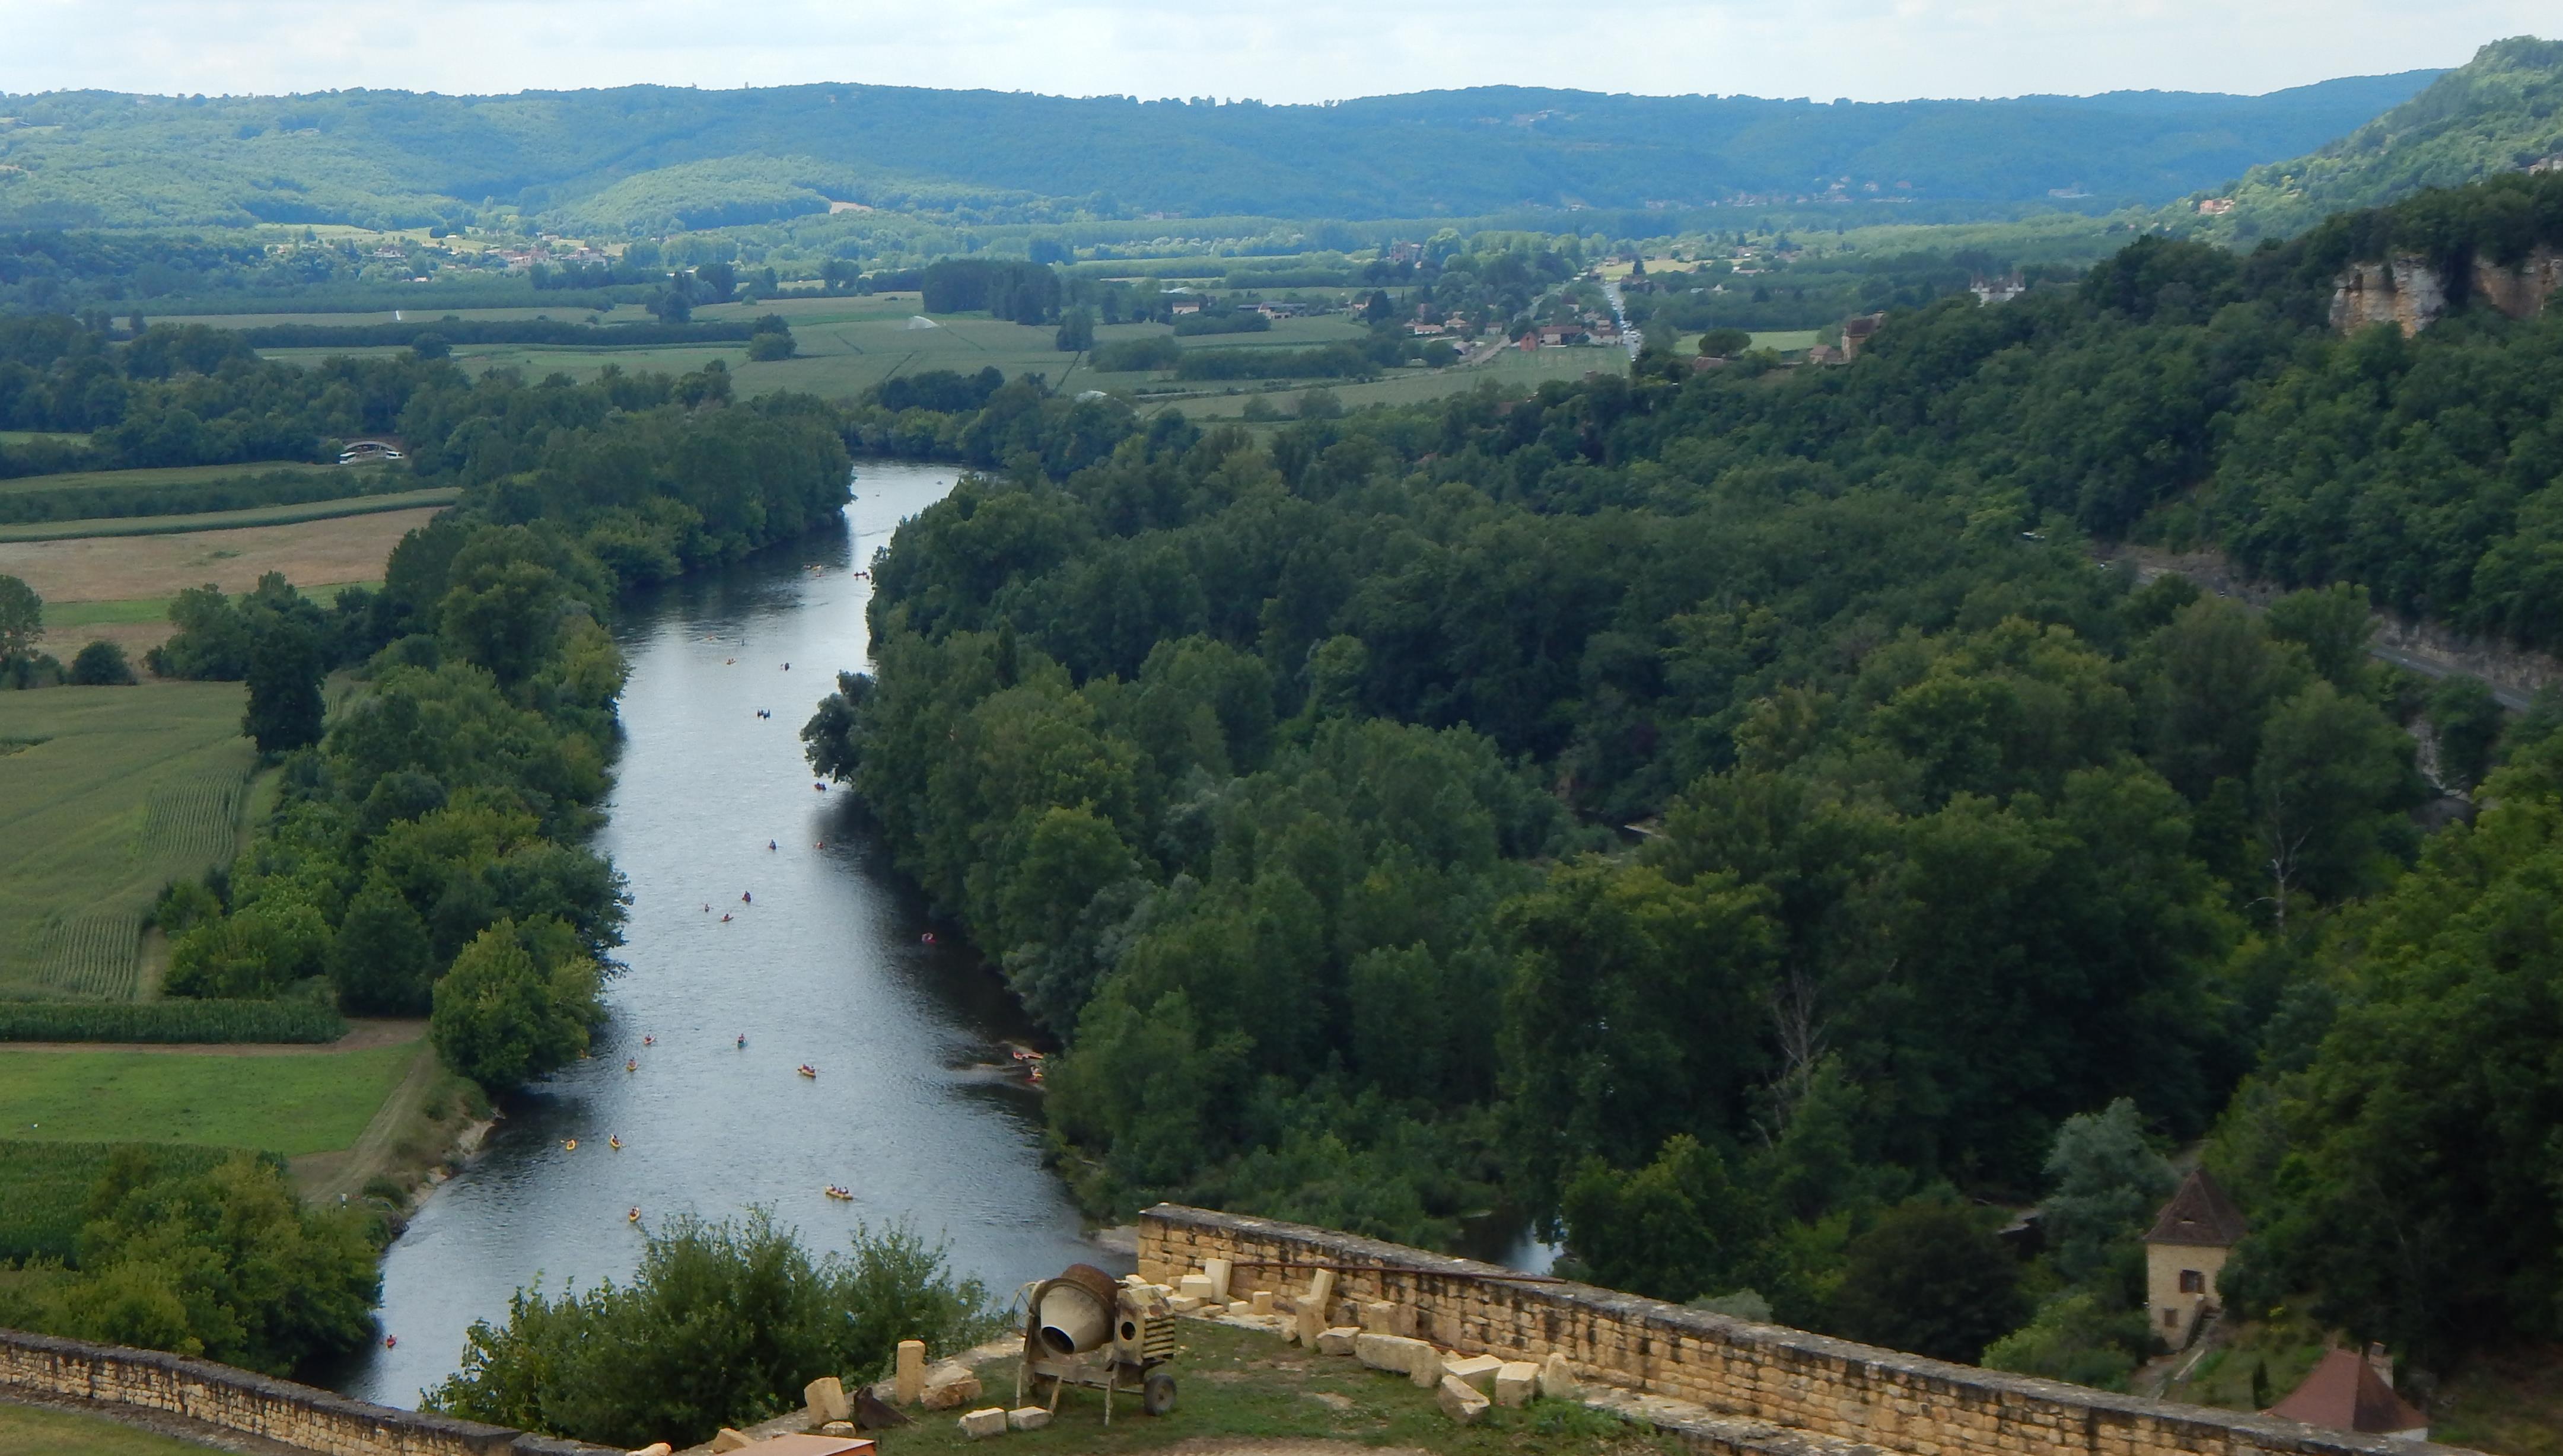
[2346,1394]
[2199,1213]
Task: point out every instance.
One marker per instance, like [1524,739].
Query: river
[828,965]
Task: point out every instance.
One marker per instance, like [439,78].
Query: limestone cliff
[2412,292]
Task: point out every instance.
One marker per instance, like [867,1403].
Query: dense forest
[1727,815]
[645,160]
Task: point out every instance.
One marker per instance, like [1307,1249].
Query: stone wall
[241,1400]
[1783,1389]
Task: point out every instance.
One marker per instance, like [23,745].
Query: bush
[101,664]
[1928,1278]
[1192,324]
[722,1324]
[769,346]
[1132,356]
[169,1022]
[2078,1338]
[45,1189]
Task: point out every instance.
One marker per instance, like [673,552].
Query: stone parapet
[1788,1389]
[250,1403]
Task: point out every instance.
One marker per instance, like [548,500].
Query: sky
[1271,50]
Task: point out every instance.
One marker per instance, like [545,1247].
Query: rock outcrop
[2411,292]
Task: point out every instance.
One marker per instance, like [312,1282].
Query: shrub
[101,664]
[1132,356]
[169,1022]
[722,1324]
[45,1189]
[768,346]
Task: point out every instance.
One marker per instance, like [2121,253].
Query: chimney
[2381,1363]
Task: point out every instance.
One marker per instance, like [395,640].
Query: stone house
[2352,1392]
[2191,1238]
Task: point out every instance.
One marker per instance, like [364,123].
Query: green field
[35,1430]
[179,476]
[30,436]
[218,520]
[275,1102]
[1510,370]
[107,793]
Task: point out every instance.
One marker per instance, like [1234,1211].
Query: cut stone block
[950,1385]
[1517,1380]
[1557,1379]
[1186,1303]
[1459,1400]
[990,1421]
[1194,1286]
[1338,1341]
[1027,1418]
[1477,1371]
[838,1428]
[1397,1352]
[1259,1302]
[826,1397]
[909,1385]
[727,1439]
[1217,1271]
[1377,1315]
[1312,1308]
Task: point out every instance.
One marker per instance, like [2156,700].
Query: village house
[2184,1252]
[1856,333]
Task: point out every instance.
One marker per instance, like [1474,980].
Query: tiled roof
[2346,1394]
[2199,1213]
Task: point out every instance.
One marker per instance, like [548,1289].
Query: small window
[2171,1316]
[2192,1282]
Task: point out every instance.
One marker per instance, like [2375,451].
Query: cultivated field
[97,568]
[404,501]
[107,793]
[179,476]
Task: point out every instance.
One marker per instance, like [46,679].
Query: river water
[828,965]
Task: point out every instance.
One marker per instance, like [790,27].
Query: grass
[1235,1385]
[338,550]
[2510,1402]
[36,1430]
[291,1103]
[113,793]
[216,520]
[1512,371]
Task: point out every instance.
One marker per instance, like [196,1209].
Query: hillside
[2496,114]
[646,159]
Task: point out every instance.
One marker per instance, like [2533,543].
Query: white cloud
[1868,50]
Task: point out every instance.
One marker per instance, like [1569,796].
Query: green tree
[1681,1227]
[2327,792]
[101,664]
[225,1264]
[22,620]
[2081,1335]
[260,950]
[381,961]
[1075,331]
[516,1004]
[2466,725]
[284,672]
[2107,1181]
[1930,1278]
[723,1324]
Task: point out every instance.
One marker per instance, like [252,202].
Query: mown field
[289,1102]
[95,568]
[107,793]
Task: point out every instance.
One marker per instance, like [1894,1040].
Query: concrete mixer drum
[1084,1327]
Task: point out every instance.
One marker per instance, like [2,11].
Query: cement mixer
[1085,1329]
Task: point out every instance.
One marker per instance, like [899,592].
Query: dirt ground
[129,568]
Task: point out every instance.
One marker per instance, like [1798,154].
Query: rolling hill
[648,159]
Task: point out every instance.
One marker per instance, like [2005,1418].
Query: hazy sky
[1275,49]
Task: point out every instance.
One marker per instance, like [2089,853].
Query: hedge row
[169,1020]
[98,502]
[489,331]
[44,1189]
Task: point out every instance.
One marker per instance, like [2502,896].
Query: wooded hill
[648,159]
[2499,113]
[1285,780]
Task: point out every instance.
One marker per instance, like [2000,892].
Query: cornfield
[192,823]
[91,956]
[169,1022]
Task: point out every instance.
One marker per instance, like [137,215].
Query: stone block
[1459,1400]
[1337,1341]
[1217,1271]
[949,1385]
[1027,1418]
[1312,1307]
[1557,1379]
[1194,1286]
[826,1397]
[1410,1357]
[1259,1302]
[1377,1315]
[845,1428]
[727,1439]
[1185,1304]
[988,1421]
[908,1385]
[1517,1380]
[1477,1371]
[656,1448]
